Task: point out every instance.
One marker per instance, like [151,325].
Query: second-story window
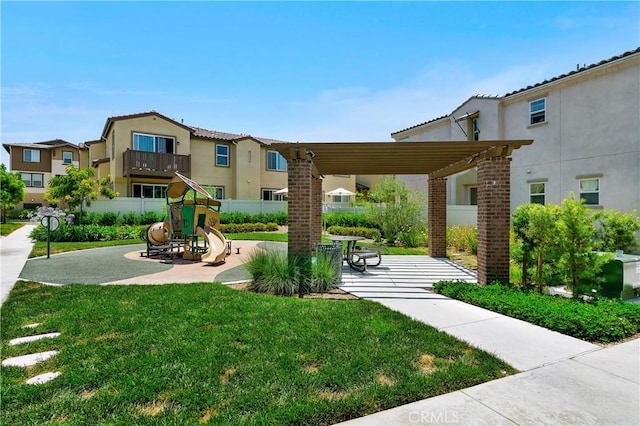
[590,191]
[153,143]
[33,180]
[222,155]
[67,157]
[31,155]
[537,192]
[275,161]
[538,111]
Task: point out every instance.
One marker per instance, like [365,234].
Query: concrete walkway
[563,380]
[14,251]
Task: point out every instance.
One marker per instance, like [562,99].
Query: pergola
[309,162]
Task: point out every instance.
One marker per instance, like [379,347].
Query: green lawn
[9,227]
[183,354]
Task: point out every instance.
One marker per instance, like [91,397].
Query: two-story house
[39,162]
[586,128]
[141,152]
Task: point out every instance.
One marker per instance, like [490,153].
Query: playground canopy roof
[180,185]
[438,159]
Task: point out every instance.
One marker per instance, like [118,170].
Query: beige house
[586,129]
[141,152]
[39,162]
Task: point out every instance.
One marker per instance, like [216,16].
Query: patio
[403,277]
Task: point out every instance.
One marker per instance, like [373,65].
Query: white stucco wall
[592,127]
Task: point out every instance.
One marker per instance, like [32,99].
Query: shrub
[235,228]
[347,219]
[81,233]
[324,273]
[604,321]
[281,218]
[463,238]
[361,232]
[235,217]
[149,218]
[617,230]
[131,218]
[414,238]
[274,273]
[109,219]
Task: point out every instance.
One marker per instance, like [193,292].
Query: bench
[359,258]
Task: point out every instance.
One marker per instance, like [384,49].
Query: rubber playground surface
[124,265]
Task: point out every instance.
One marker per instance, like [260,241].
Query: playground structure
[192,222]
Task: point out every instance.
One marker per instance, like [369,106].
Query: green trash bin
[621,277]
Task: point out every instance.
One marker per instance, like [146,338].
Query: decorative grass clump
[273,272]
[594,321]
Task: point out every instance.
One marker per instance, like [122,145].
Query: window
[222,155]
[476,128]
[33,180]
[67,157]
[537,192]
[149,191]
[473,127]
[590,191]
[153,143]
[218,192]
[537,111]
[473,196]
[275,161]
[340,198]
[270,195]
[31,155]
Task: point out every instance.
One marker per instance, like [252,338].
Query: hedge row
[371,233]
[78,233]
[347,219]
[235,228]
[594,321]
[279,218]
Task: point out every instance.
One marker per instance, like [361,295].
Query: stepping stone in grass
[34,325]
[28,360]
[42,378]
[27,339]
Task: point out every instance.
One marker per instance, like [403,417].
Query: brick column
[437,203]
[494,216]
[316,211]
[299,207]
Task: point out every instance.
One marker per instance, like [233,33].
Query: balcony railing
[155,164]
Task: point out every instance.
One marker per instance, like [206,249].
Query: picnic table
[356,258]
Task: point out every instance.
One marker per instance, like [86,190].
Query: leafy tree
[576,235]
[542,231]
[77,188]
[520,222]
[617,230]
[11,190]
[399,210]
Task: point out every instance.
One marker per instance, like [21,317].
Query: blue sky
[296,71]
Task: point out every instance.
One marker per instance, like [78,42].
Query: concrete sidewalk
[14,251]
[563,380]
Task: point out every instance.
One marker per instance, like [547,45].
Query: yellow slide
[216,244]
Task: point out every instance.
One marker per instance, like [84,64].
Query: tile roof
[52,144]
[579,70]
[214,134]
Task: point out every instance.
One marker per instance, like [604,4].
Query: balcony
[155,164]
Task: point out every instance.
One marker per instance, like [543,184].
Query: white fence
[456,215]
[140,205]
